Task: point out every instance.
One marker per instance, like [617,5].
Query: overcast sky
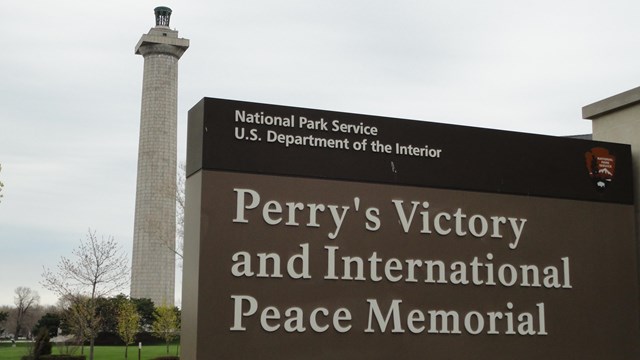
[71,87]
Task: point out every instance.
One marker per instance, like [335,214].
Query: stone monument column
[153,258]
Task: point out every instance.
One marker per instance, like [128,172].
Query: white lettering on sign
[273,212]
[460,223]
[319,319]
[452,322]
[377,266]
[319,132]
[443,223]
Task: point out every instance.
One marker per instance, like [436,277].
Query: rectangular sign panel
[270,139]
[301,251]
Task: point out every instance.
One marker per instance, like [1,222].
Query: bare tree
[81,318]
[173,242]
[180,202]
[1,185]
[98,268]
[25,300]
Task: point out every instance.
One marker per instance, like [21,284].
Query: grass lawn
[101,352]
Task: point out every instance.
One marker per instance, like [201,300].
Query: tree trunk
[81,341]
[91,343]
[126,351]
[19,317]
[18,329]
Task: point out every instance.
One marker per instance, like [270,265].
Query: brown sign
[283,267]
[277,140]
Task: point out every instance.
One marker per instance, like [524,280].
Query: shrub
[57,357]
[41,346]
[167,358]
[108,338]
[148,339]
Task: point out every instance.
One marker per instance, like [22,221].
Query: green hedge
[56,357]
[167,358]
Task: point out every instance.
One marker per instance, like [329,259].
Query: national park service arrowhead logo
[601,166]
